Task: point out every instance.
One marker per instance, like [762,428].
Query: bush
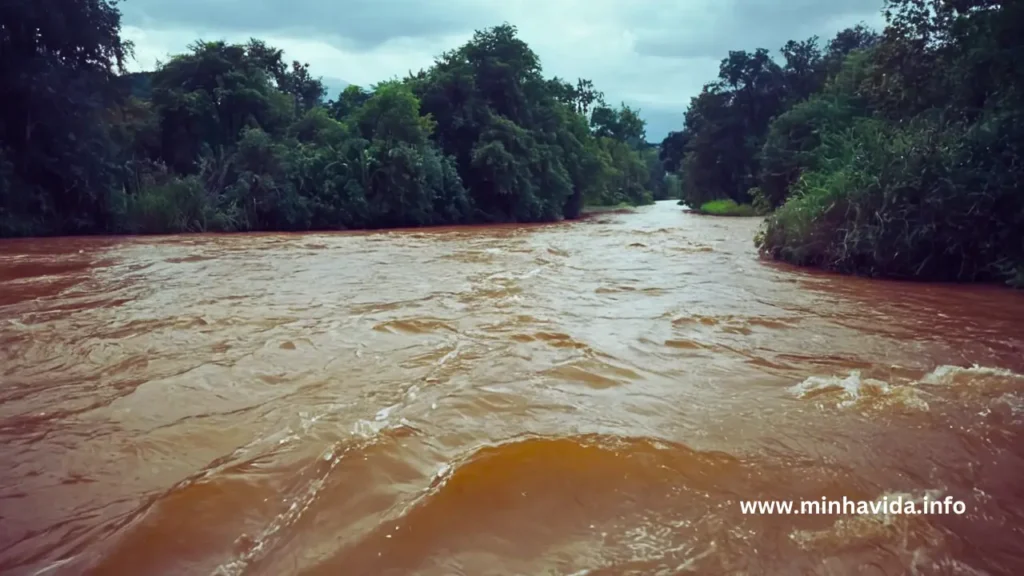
[759,203]
[794,137]
[924,181]
[179,205]
[926,201]
[727,207]
[792,144]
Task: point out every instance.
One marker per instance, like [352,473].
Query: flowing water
[593,397]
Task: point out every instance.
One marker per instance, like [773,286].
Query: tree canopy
[229,137]
[718,152]
[896,154]
[58,61]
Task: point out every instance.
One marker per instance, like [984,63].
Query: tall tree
[58,59]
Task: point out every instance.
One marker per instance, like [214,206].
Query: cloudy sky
[651,54]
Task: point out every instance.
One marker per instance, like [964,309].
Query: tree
[672,150]
[232,137]
[586,96]
[207,97]
[300,84]
[392,114]
[908,163]
[350,99]
[720,150]
[58,59]
[623,124]
[804,72]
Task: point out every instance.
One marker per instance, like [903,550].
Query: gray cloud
[751,24]
[661,121]
[334,86]
[652,54]
[362,23]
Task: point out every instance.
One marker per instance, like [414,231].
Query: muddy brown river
[585,398]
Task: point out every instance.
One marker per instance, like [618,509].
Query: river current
[585,398]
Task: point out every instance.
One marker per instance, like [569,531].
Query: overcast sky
[651,54]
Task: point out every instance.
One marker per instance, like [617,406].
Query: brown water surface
[588,398]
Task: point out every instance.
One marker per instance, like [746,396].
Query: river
[592,397]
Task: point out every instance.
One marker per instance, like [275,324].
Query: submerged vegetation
[231,137]
[898,154]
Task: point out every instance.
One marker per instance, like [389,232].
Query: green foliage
[231,137]
[318,127]
[522,143]
[897,154]
[727,207]
[58,61]
[921,179]
[760,203]
[791,145]
[720,152]
[206,98]
[392,115]
[350,99]
[623,124]
[179,205]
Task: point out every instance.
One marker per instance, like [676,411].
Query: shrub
[930,200]
[759,203]
[727,207]
[178,205]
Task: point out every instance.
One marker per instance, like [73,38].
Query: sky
[653,55]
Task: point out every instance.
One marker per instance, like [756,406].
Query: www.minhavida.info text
[884,505]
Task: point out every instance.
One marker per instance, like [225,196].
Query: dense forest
[896,154]
[232,137]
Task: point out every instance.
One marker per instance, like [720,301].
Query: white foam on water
[449,356]
[531,273]
[443,473]
[367,429]
[1012,401]
[268,537]
[53,566]
[383,413]
[301,503]
[948,375]
[922,565]
[853,387]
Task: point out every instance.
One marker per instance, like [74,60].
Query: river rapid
[584,398]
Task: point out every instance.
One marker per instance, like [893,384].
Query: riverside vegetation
[889,154]
[898,154]
[232,138]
